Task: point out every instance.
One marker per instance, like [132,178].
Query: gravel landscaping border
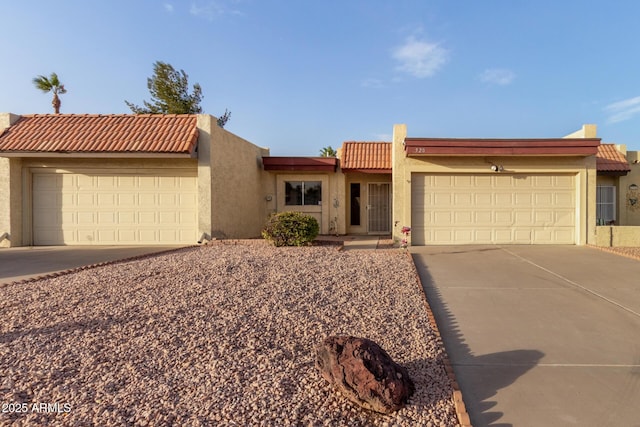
[626,251]
[217,335]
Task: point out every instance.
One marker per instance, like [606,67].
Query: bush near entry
[290,229]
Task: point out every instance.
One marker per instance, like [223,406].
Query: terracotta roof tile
[609,159]
[366,156]
[96,133]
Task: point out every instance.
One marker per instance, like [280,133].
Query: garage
[85,208]
[493,208]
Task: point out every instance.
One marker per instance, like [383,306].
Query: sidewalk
[352,242]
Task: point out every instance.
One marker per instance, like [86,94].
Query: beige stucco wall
[10,188]
[618,236]
[583,168]
[10,202]
[629,213]
[330,213]
[232,199]
[363,179]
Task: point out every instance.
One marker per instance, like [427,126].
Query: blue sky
[298,75]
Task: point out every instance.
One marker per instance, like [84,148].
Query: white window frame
[605,209]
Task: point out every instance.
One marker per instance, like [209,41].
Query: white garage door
[497,208]
[110,209]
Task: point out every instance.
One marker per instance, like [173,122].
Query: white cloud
[420,58]
[372,83]
[213,9]
[382,137]
[623,110]
[498,76]
[168,7]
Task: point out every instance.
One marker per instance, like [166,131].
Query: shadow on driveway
[498,370]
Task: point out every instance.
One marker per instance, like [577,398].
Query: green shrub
[290,229]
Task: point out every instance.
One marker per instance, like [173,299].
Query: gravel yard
[214,335]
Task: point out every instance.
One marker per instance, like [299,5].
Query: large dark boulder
[363,372]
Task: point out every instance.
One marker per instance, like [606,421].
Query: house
[176,179]
[85,179]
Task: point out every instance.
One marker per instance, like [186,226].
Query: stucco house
[181,179]
[126,179]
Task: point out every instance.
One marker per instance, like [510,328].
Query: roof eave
[583,147]
[364,170]
[76,154]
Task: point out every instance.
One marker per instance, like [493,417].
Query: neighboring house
[70,179]
[617,186]
[176,179]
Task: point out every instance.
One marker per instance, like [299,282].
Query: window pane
[312,193]
[605,204]
[293,193]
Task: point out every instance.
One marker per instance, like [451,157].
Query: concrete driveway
[26,262]
[539,335]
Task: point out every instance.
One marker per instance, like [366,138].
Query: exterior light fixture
[633,187]
[497,168]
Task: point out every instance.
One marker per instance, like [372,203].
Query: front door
[379,208]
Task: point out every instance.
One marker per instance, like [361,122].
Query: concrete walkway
[539,335]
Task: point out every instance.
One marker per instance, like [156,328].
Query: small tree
[169,93]
[328,151]
[223,119]
[51,84]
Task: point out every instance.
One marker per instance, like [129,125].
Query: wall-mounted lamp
[633,187]
[497,168]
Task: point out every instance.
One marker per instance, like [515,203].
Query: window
[355,204]
[605,204]
[302,193]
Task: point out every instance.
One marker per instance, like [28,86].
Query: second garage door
[114,209]
[496,208]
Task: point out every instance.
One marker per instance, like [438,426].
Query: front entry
[379,208]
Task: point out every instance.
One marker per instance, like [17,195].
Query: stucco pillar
[10,192]
[591,201]
[401,213]
[204,175]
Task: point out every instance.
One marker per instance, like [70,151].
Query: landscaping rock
[363,372]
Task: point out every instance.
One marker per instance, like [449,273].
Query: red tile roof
[609,159]
[372,157]
[95,133]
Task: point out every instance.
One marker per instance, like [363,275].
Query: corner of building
[401,189]
[10,192]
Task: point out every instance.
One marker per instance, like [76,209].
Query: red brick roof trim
[505,147]
[300,164]
[96,133]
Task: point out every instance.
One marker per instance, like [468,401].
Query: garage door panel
[483,200]
[122,208]
[482,217]
[86,200]
[493,208]
[503,217]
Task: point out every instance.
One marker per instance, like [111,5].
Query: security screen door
[379,208]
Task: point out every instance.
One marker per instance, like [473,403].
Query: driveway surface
[538,335]
[26,262]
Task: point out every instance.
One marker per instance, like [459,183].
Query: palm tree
[328,151]
[51,84]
